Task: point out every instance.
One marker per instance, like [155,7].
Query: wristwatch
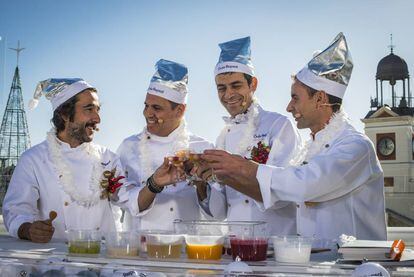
[152,186]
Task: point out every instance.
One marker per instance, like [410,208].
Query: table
[24,258]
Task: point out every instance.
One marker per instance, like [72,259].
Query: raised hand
[235,171]
[168,174]
[202,170]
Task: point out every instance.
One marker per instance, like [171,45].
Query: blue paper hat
[235,56]
[170,81]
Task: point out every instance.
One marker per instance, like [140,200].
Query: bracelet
[152,186]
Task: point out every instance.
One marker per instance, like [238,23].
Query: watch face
[386,146]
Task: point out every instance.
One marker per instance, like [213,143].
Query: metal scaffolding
[14,133]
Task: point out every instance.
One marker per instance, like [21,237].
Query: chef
[338,181]
[64,179]
[250,131]
[164,135]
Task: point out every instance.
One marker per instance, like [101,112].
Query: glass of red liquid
[249,248]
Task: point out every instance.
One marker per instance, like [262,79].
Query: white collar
[64,146]
[251,117]
[65,174]
[171,137]
[336,124]
[243,117]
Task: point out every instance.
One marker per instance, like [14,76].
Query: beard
[77,131]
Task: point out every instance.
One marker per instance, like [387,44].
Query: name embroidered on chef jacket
[256,136]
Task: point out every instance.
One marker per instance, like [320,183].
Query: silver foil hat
[235,56]
[58,90]
[330,70]
[170,81]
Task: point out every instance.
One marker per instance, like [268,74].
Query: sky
[114,45]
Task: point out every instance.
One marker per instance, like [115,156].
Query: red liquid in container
[249,249]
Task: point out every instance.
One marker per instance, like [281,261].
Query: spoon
[52,215]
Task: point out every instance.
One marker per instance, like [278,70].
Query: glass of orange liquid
[204,247]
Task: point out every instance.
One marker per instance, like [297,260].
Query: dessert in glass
[186,159]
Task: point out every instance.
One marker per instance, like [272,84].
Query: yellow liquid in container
[204,252]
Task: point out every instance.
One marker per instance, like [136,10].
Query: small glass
[84,242]
[186,159]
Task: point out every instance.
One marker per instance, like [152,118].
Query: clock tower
[390,125]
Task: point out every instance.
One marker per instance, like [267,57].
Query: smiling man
[164,134]
[63,173]
[249,128]
[338,180]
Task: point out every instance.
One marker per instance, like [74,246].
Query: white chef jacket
[277,131]
[343,176]
[34,191]
[178,201]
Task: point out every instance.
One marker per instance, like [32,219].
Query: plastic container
[247,239]
[201,227]
[164,246]
[204,239]
[122,244]
[143,237]
[84,242]
[204,247]
[249,249]
[292,249]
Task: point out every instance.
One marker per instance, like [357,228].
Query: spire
[14,132]
[391,46]
[18,50]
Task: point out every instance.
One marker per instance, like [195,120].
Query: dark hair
[246,76]
[173,104]
[336,102]
[66,109]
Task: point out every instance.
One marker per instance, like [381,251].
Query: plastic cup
[292,249]
[164,246]
[84,242]
[204,247]
[249,249]
[122,244]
